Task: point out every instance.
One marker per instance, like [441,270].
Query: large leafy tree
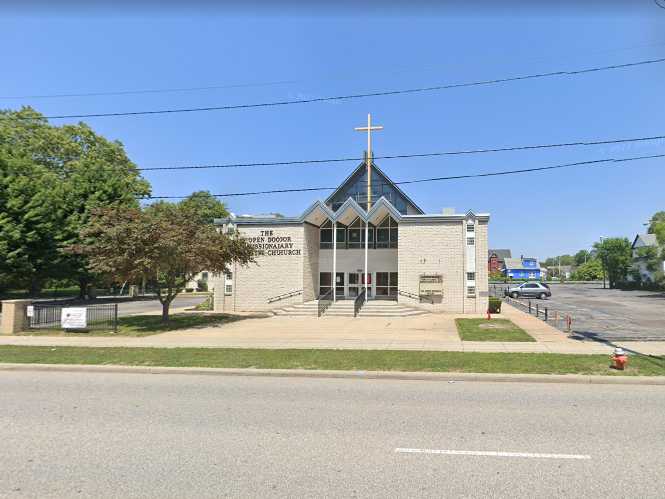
[205,206]
[29,223]
[592,270]
[60,174]
[616,257]
[582,257]
[167,244]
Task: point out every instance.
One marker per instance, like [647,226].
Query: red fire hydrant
[619,359]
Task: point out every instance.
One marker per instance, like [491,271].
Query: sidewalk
[431,332]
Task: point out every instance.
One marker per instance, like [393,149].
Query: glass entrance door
[339,285]
[357,284]
[354,282]
[386,285]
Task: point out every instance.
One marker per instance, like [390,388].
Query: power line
[150,90]
[220,86]
[361,95]
[596,162]
[405,156]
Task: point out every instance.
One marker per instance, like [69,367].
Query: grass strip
[146,325]
[348,360]
[494,330]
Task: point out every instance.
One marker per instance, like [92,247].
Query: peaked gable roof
[642,240]
[359,170]
[501,254]
[518,264]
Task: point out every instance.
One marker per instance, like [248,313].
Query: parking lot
[609,314]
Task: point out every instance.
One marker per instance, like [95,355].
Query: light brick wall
[440,248]
[310,262]
[482,274]
[271,275]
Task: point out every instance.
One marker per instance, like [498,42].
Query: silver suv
[529,289]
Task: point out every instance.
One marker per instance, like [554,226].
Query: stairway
[344,308]
[307,309]
[340,308]
[386,308]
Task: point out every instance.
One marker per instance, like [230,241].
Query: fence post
[545,314]
[13,316]
[529,306]
[537,311]
[115,317]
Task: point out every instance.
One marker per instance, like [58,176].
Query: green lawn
[348,360]
[146,325]
[493,330]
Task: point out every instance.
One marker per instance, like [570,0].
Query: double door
[357,284]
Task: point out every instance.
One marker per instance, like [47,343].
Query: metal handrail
[325,301]
[358,303]
[415,296]
[284,295]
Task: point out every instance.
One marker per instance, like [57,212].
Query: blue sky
[328,53]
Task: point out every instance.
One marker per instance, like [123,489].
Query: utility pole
[369,129]
[604,263]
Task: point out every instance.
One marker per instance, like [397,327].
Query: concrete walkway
[431,332]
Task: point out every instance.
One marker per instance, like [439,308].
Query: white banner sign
[73,318]
[30,312]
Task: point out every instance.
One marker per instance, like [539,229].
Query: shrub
[495,305]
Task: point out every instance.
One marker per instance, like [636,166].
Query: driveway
[610,314]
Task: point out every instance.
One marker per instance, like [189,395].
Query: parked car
[529,289]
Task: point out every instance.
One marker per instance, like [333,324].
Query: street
[173,435]
[152,306]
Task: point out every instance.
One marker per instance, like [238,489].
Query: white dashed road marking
[491,453]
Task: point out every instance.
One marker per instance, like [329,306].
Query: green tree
[554,261]
[657,220]
[615,255]
[592,270]
[206,206]
[65,173]
[165,243]
[582,257]
[29,223]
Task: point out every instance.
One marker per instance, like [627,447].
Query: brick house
[496,259]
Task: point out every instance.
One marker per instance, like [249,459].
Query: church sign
[267,243]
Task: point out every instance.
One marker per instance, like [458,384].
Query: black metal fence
[542,311]
[98,317]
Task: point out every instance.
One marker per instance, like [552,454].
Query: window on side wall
[470,276]
[471,291]
[228,283]
[470,241]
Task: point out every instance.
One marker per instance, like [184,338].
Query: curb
[375,375]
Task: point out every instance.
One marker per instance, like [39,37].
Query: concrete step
[408,313]
[307,309]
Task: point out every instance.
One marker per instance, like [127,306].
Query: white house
[639,262]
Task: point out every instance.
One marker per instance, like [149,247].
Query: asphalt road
[610,314]
[153,306]
[137,435]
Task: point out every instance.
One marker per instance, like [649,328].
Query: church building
[367,241]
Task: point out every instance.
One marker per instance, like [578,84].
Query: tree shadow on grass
[152,324]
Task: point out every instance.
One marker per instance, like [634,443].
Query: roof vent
[449,211]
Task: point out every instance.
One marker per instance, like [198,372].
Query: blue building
[522,268]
